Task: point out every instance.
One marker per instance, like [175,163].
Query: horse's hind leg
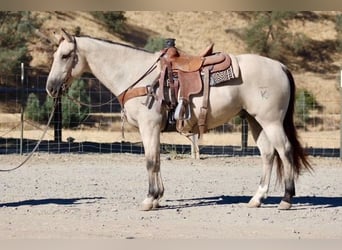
[267,155]
[276,134]
[151,139]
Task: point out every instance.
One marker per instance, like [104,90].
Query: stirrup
[182,111]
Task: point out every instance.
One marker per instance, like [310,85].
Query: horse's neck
[118,67]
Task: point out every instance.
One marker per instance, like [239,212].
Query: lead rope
[123,111]
[89,105]
[37,145]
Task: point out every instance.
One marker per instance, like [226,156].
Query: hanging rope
[39,141]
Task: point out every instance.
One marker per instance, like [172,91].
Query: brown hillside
[194,31]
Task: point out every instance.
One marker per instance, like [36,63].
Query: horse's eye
[66,56]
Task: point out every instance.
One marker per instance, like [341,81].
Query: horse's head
[65,67]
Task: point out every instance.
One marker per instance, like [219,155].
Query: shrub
[300,44]
[33,110]
[339,32]
[267,34]
[305,101]
[114,20]
[72,113]
[155,44]
[15,30]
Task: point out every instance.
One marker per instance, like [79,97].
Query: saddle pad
[235,65]
[221,76]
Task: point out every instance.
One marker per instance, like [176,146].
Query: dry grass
[10,128]
[193,31]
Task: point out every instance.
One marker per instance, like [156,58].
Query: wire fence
[98,129]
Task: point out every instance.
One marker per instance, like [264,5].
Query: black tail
[300,161]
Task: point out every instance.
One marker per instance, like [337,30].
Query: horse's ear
[58,38]
[66,36]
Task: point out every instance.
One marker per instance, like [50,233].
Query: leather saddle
[186,75]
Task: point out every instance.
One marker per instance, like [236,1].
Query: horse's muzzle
[55,90]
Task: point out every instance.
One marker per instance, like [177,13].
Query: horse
[264,93]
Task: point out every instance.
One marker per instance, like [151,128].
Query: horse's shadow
[301,202]
[56,201]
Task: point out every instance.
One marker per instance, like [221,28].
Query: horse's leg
[267,156]
[150,134]
[276,135]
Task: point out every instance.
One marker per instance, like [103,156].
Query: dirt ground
[98,196]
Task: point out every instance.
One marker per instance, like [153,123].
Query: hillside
[194,31]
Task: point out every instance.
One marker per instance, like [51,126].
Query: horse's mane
[116,43]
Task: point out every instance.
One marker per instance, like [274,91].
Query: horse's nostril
[50,90]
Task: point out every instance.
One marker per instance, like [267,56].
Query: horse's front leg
[150,134]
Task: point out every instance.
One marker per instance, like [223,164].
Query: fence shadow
[12,146]
[302,202]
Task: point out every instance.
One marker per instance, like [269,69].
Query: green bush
[155,44]
[73,114]
[267,34]
[300,45]
[339,32]
[305,101]
[33,109]
[114,20]
[15,30]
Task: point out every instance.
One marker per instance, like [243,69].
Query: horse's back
[252,65]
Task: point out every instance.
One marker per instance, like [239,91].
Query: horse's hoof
[147,205]
[253,204]
[155,204]
[284,205]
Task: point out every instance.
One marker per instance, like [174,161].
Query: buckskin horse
[263,90]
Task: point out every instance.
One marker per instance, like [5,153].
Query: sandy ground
[94,196]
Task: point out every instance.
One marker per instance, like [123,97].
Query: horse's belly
[224,103]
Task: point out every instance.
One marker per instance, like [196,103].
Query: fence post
[244,134]
[57,121]
[22,108]
[194,146]
[341,115]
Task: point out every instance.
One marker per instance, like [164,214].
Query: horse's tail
[300,161]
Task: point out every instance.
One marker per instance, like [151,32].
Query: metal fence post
[341,115]
[22,108]
[244,134]
[57,121]
[194,146]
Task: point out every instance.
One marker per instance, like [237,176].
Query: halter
[73,64]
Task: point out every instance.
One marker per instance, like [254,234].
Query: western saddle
[185,76]
[181,77]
